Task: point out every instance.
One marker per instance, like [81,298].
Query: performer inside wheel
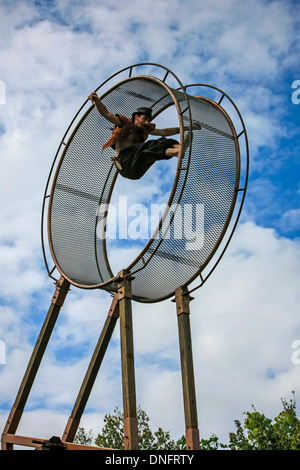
[134,153]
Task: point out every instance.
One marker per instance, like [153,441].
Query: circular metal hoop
[209,180]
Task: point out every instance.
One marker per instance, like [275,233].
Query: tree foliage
[262,433]
[257,432]
[82,437]
[112,434]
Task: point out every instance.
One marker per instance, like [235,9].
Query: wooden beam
[182,299]
[62,288]
[41,444]
[127,359]
[92,372]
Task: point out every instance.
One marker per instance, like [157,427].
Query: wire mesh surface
[205,193]
[201,201]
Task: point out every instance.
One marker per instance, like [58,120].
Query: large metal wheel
[204,203]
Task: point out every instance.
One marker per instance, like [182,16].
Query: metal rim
[237,189]
[234,199]
[62,150]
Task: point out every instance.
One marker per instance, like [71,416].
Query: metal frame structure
[120,286]
[152,250]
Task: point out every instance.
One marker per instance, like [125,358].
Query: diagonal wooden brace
[92,372]
[62,288]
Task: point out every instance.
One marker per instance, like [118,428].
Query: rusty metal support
[127,358]
[93,369]
[182,299]
[62,288]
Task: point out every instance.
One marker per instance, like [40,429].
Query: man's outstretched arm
[103,109]
[168,131]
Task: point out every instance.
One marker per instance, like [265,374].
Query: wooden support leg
[62,287]
[92,372]
[127,358]
[182,299]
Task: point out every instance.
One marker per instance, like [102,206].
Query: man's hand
[93,96]
[103,109]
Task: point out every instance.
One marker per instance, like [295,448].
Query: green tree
[84,438]
[257,432]
[112,434]
[262,433]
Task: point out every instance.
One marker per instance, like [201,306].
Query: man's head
[142,116]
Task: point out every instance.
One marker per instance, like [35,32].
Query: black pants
[138,158]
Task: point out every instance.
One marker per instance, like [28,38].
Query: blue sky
[246,317]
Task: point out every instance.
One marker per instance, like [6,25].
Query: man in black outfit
[134,153]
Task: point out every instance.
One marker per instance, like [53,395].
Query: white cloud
[290,220]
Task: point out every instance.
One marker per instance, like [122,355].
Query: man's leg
[117,163]
[173,151]
[176,149]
